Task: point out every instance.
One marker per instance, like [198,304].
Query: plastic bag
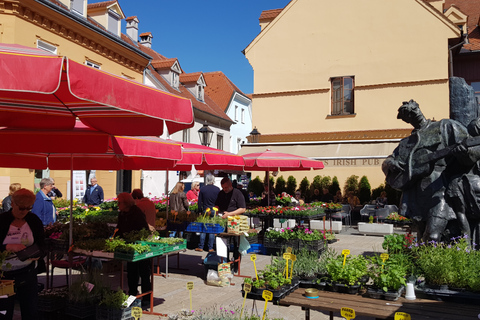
[213,279]
[244,245]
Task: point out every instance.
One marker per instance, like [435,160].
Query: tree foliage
[280,185]
[256,186]
[291,185]
[364,190]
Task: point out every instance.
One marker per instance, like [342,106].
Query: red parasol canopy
[43,91]
[276,161]
[206,158]
[85,148]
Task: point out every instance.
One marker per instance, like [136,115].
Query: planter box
[316,245]
[175,247]
[105,313]
[80,310]
[376,229]
[257,248]
[445,294]
[336,226]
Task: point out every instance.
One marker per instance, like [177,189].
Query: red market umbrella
[39,90]
[275,161]
[206,158]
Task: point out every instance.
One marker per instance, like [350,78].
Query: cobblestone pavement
[171,294]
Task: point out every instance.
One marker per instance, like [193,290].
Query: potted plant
[450,270]
[347,277]
[113,306]
[84,295]
[389,277]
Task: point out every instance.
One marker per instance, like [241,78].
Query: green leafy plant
[355,268]
[391,274]
[394,243]
[364,190]
[114,299]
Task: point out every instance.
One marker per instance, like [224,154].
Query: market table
[381,309]
[235,238]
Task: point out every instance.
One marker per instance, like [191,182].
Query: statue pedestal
[376,229]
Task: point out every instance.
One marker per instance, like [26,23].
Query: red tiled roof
[163,64]
[146,34]
[220,88]
[189,77]
[100,4]
[208,106]
[269,14]
[131,18]
[472,9]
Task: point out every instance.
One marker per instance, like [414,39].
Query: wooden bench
[381,309]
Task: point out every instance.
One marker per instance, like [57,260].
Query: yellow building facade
[67,32]
[329,77]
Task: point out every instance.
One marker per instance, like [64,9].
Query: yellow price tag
[293,258]
[190,285]
[384,256]
[137,312]
[247,287]
[190,288]
[287,256]
[345,253]
[289,250]
[402,316]
[253,257]
[347,313]
[268,296]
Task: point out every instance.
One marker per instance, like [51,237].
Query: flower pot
[375,293]
[393,295]
[7,287]
[345,288]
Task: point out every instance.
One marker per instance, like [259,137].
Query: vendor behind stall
[131,218]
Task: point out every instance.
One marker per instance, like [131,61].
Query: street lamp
[206,135]
[255,135]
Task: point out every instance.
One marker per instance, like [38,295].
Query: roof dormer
[195,83]
[458,17]
[108,14]
[79,7]
[146,39]
[169,69]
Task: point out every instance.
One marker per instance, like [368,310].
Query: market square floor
[171,295]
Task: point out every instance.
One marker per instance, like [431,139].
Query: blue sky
[206,35]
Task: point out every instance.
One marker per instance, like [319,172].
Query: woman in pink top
[193,193]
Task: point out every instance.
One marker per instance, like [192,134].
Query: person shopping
[7,201]
[206,200]
[21,229]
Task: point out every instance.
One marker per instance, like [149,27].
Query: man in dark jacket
[94,194]
[131,218]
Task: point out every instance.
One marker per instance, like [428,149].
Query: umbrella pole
[166,191]
[267,176]
[70,233]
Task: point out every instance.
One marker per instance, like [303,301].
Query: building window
[219,142]
[113,19]
[342,95]
[236,114]
[239,144]
[200,93]
[77,6]
[186,136]
[243,116]
[46,46]
[476,88]
[91,64]
[175,80]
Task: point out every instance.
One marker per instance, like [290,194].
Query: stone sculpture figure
[423,165]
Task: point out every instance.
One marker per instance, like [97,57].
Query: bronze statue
[422,167]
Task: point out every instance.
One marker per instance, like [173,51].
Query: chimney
[146,39]
[132,28]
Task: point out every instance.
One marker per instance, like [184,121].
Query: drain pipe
[450,51]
